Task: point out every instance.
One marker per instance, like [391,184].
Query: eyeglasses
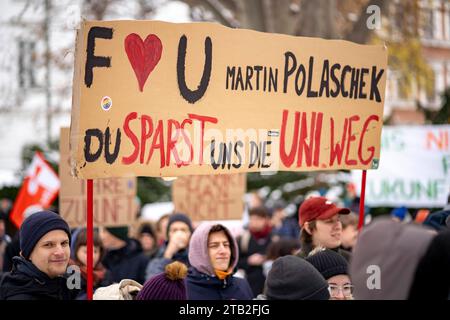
[346,289]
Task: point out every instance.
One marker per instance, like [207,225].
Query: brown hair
[158,223]
[282,247]
[306,239]
[259,211]
[81,240]
[350,219]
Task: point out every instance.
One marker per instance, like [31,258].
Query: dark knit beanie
[329,263]
[178,217]
[293,278]
[38,225]
[146,228]
[169,285]
[119,232]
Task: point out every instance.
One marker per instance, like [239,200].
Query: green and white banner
[414,168]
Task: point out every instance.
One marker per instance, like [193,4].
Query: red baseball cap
[318,208]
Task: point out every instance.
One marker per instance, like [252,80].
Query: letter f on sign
[92,60]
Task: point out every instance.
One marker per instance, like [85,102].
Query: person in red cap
[320,224]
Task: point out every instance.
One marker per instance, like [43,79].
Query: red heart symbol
[143,55]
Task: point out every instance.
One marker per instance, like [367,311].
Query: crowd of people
[318,254]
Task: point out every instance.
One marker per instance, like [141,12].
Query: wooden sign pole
[90,238]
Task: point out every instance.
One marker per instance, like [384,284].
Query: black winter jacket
[27,282]
[128,262]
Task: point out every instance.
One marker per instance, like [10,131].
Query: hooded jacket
[27,282]
[202,282]
[385,259]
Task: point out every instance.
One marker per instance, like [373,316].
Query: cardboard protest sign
[114,203]
[160,99]
[415,168]
[210,197]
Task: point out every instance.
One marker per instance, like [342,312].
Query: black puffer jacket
[26,282]
[128,262]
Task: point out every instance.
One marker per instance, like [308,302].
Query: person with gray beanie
[39,272]
[294,278]
[334,268]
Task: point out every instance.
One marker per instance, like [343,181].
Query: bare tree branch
[225,13]
[96,7]
[146,7]
[318,19]
[220,9]
[22,12]
[269,15]
[251,14]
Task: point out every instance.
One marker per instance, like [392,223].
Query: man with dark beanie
[179,231]
[124,258]
[38,273]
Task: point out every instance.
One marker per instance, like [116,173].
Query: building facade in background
[434,32]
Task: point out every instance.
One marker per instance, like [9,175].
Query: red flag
[39,189]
